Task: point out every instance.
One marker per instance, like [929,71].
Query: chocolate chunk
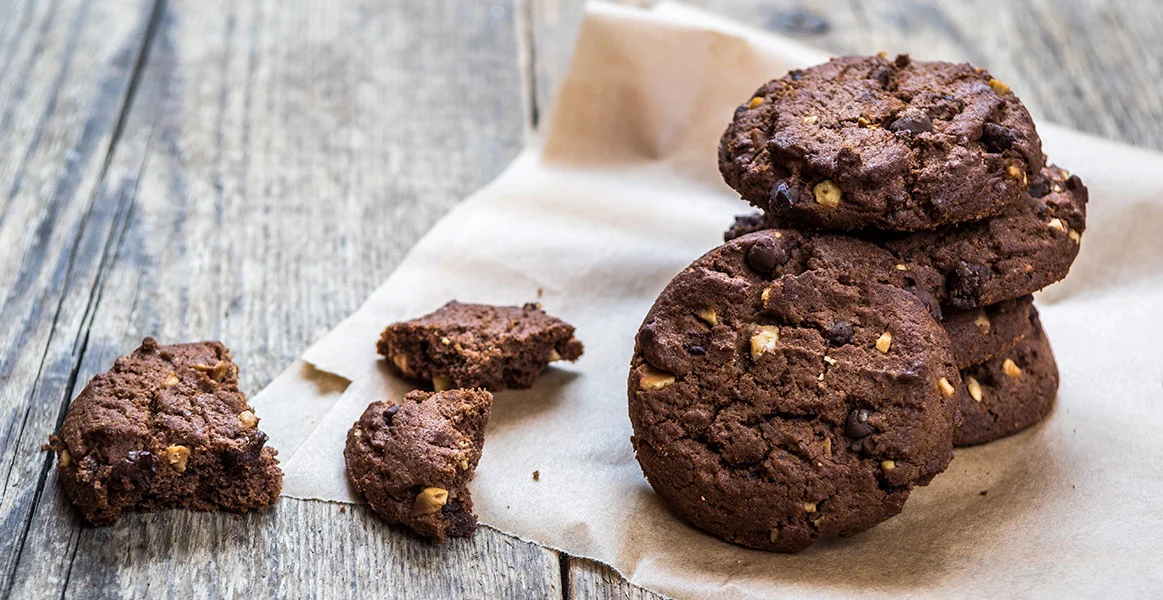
[1040,188]
[840,333]
[1074,183]
[784,196]
[138,469]
[997,139]
[857,425]
[965,282]
[696,350]
[390,413]
[901,61]
[912,121]
[765,255]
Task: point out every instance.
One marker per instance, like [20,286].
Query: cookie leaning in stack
[765,410]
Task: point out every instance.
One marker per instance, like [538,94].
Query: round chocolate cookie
[778,395]
[1009,393]
[871,142]
[1026,248]
[980,334]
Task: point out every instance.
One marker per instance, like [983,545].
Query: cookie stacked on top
[799,380]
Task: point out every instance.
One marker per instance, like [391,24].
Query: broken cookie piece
[166,427]
[412,462]
[477,345]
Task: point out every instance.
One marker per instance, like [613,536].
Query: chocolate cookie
[778,395]
[893,144]
[1026,248]
[412,462]
[166,427]
[980,334]
[476,345]
[1009,393]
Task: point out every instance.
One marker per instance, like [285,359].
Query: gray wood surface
[249,170]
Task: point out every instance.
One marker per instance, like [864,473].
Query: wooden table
[250,170]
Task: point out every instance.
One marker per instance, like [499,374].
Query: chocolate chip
[745,224]
[1074,183]
[138,469]
[784,196]
[965,282]
[1040,188]
[765,255]
[696,350]
[857,425]
[928,300]
[883,77]
[390,413]
[840,333]
[912,121]
[796,75]
[997,139]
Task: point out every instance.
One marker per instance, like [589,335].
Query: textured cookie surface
[1009,393]
[892,144]
[166,427]
[412,462]
[980,334]
[1026,248]
[777,396]
[476,345]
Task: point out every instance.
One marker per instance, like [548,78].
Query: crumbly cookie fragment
[413,461]
[477,345]
[166,427]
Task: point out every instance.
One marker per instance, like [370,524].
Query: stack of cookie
[797,381]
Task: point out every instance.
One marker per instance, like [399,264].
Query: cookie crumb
[984,492]
[536,475]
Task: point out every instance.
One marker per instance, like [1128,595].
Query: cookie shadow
[512,407]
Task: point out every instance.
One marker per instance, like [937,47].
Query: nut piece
[999,88]
[763,339]
[177,456]
[756,101]
[708,315]
[554,356]
[811,120]
[1009,367]
[218,372]
[946,387]
[1056,223]
[982,321]
[1075,236]
[884,342]
[774,535]
[901,267]
[810,507]
[652,379]
[827,193]
[247,418]
[64,459]
[171,380]
[430,500]
[974,388]
[441,383]
[888,465]
[402,363]
[1016,172]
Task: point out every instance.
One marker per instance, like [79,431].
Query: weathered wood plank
[589,579]
[275,166]
[67,70]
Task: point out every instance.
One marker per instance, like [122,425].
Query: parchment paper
[622,194]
